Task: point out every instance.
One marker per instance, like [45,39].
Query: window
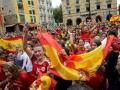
[68,10]
[50,4]
[87,0]
[87,9]
[44,18]
[19,0]
[42,1]
[32,3]
[20,6]
[29,2]
[33,11]
[97,0]
[31,18]
[108,5]
[30,11]
[77,1]
[34,19]
[98,7]
[48,10]
[67,2]
[77,9]
[22,18]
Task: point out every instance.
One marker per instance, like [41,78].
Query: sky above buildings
[56,3]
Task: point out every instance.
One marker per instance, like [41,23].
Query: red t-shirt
[26,78]
[85,35]
[78,51]
[2,76]
[97,81]
[115,44]
[42,67]
[23,81]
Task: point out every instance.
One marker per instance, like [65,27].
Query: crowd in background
[25,65]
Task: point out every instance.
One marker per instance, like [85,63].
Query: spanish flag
[91,61]
[79,67]
[10,44]
[115,18]
[53,49]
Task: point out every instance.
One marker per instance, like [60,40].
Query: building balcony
[108,1]
[98,2]
[87,2]
[21,11]
[87,13]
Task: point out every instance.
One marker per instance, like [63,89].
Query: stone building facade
[75,11]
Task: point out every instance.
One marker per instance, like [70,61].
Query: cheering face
[19,48]
[86,28]
[118,65]
[38,52]
[81,43]
[103,36]
[94,45]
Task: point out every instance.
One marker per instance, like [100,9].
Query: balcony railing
[107,1]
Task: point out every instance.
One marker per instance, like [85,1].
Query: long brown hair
[11,67]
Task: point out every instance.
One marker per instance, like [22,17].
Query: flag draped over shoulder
[10,44]
[88,62]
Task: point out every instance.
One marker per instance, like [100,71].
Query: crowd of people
[24,66]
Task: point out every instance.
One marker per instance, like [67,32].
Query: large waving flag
[10,43]
[53,49]
[78,65]
[91,61]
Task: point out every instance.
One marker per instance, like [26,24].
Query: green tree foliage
[57,13]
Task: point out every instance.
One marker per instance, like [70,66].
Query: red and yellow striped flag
[53,49]
[10,44]
[91,61]
[82,65]
[115,18]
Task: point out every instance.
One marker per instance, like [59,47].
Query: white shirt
[27,64]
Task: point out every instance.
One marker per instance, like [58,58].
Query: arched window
[98,18]
[108,17]
[78,21]
[69,22]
